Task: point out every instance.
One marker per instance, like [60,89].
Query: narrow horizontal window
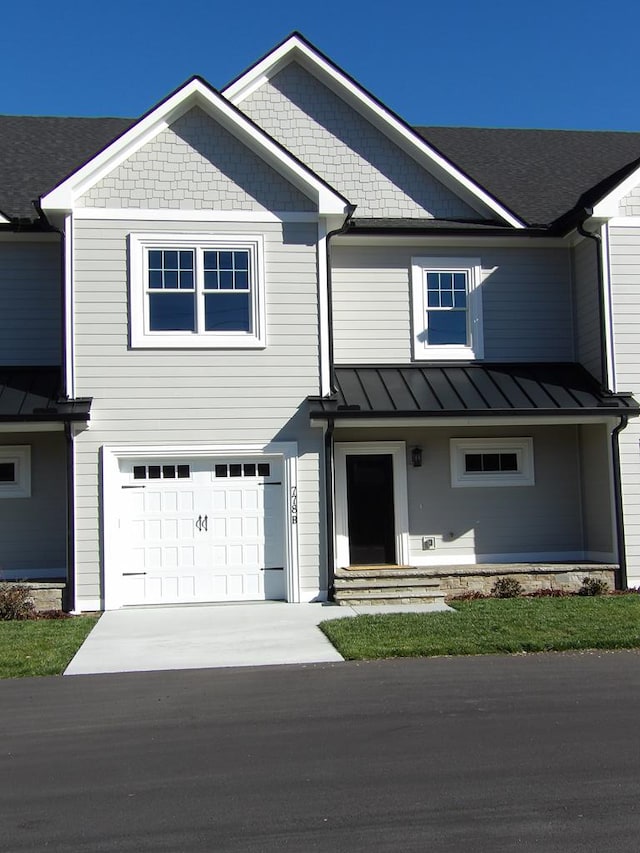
[161,472]
[7,472]
[492,462]
[15,471]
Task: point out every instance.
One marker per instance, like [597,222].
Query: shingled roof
[540,175]
[37,152]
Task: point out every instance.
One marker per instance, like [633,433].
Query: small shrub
[471,595]
[16,602]
[548,592]
[507,588]
[593,586]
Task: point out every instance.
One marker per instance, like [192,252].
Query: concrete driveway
[213,635]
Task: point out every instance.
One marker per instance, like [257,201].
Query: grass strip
[42,646]
[493,626]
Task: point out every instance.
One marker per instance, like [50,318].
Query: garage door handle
[132,574]
[202,523]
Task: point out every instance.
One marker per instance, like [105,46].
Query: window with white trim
[197,292]
[447,308]
[15,471]
[492,462]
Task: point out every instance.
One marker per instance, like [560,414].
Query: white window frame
[522,447]
[141,335]
[20,456]
[422,350]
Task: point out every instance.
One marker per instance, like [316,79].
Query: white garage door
[202,530]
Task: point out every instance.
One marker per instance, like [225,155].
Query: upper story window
[195,292]
[447,308]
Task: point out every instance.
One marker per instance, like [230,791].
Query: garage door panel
[215,536]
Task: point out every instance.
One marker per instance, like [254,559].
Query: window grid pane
[481,463]
[7,472]
[226,270]
[170,269]
[446,308]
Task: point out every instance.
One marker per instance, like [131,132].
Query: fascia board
[194,93]
[388,123]
[608,205]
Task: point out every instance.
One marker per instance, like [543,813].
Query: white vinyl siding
[526,303]
[625,306]
[182,396]
[30,300]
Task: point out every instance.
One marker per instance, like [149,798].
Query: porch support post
[329,503]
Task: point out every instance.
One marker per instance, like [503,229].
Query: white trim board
[174,215]
[194,93]
[608,206]
[68,319]
[624,222]
[297,49]
[110,456]
[398,452]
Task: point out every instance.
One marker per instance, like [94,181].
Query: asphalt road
[530,753]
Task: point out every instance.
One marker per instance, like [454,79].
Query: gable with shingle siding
[630,204]
[346,150]
[196,164]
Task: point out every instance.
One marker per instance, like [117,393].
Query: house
[263,334]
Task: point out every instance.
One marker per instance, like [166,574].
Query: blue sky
[490,63]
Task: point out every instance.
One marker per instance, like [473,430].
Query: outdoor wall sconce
[416,457]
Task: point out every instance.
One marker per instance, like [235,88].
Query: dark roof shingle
[539,175]
[37,152]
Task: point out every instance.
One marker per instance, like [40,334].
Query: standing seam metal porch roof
[462,388]
[32,394]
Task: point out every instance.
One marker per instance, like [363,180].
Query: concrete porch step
[397,595]
[372,572]
[391,582]
[394,597]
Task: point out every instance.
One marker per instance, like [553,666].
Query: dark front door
[370,509]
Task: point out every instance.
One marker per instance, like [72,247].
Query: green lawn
[493,626]
[42,646]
